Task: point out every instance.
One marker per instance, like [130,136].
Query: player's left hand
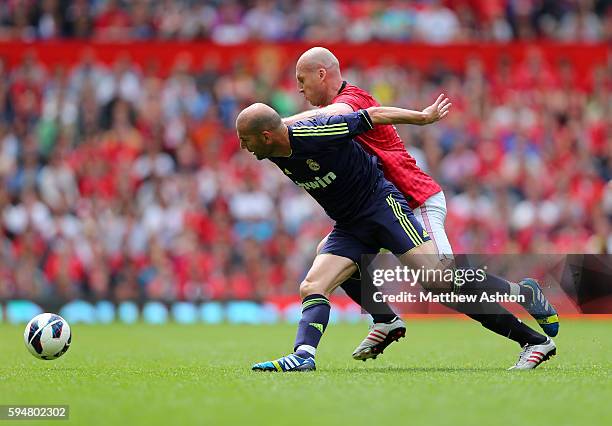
[438,110]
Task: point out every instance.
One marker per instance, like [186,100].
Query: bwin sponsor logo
[318,182]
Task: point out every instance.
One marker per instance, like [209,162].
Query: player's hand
[438,110]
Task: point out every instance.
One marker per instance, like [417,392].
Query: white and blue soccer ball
[47,336]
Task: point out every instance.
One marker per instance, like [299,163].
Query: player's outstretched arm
[391,115]
[333,109]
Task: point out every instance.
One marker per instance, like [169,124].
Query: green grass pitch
[446,372]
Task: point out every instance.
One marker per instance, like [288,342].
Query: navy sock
[315,316]
[355,289]
[490,285]
[511,327]
[493,284]
[498,319]
[498,284]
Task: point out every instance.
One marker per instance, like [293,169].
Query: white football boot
[533,355]
[380,336]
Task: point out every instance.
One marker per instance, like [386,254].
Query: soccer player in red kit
[319,80]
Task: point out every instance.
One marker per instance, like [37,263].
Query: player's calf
[312,325]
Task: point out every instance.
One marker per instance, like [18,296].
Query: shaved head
[257,118]
[318,57]
[318,75]
[261,131]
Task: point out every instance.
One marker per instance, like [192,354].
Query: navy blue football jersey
[331,166]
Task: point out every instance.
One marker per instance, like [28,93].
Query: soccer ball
[47,336]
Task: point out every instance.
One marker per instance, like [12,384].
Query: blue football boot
[540,308]
[287,363]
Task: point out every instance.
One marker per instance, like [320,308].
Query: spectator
[126,183]
[231,22]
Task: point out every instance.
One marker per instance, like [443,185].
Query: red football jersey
[384,142]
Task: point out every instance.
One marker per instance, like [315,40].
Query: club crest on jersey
[314,166]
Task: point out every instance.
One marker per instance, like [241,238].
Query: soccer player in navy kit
[320,155]
[320,80]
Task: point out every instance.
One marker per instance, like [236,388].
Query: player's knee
[423,257]
[308,287]
[438,277]
[440,285]
[436,286]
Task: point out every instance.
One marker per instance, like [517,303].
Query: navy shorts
[388,223]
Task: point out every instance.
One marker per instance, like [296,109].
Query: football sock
[498,319]
[315,316]
[504,286]
[511,327]
[355,289]
[493,284]
[490,285]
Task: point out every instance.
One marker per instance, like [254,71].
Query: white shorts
[432,215]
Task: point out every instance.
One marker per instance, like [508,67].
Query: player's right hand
[438,110]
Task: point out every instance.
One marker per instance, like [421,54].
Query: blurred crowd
[233,21]
[119,183]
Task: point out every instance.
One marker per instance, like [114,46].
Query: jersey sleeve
[327,133]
